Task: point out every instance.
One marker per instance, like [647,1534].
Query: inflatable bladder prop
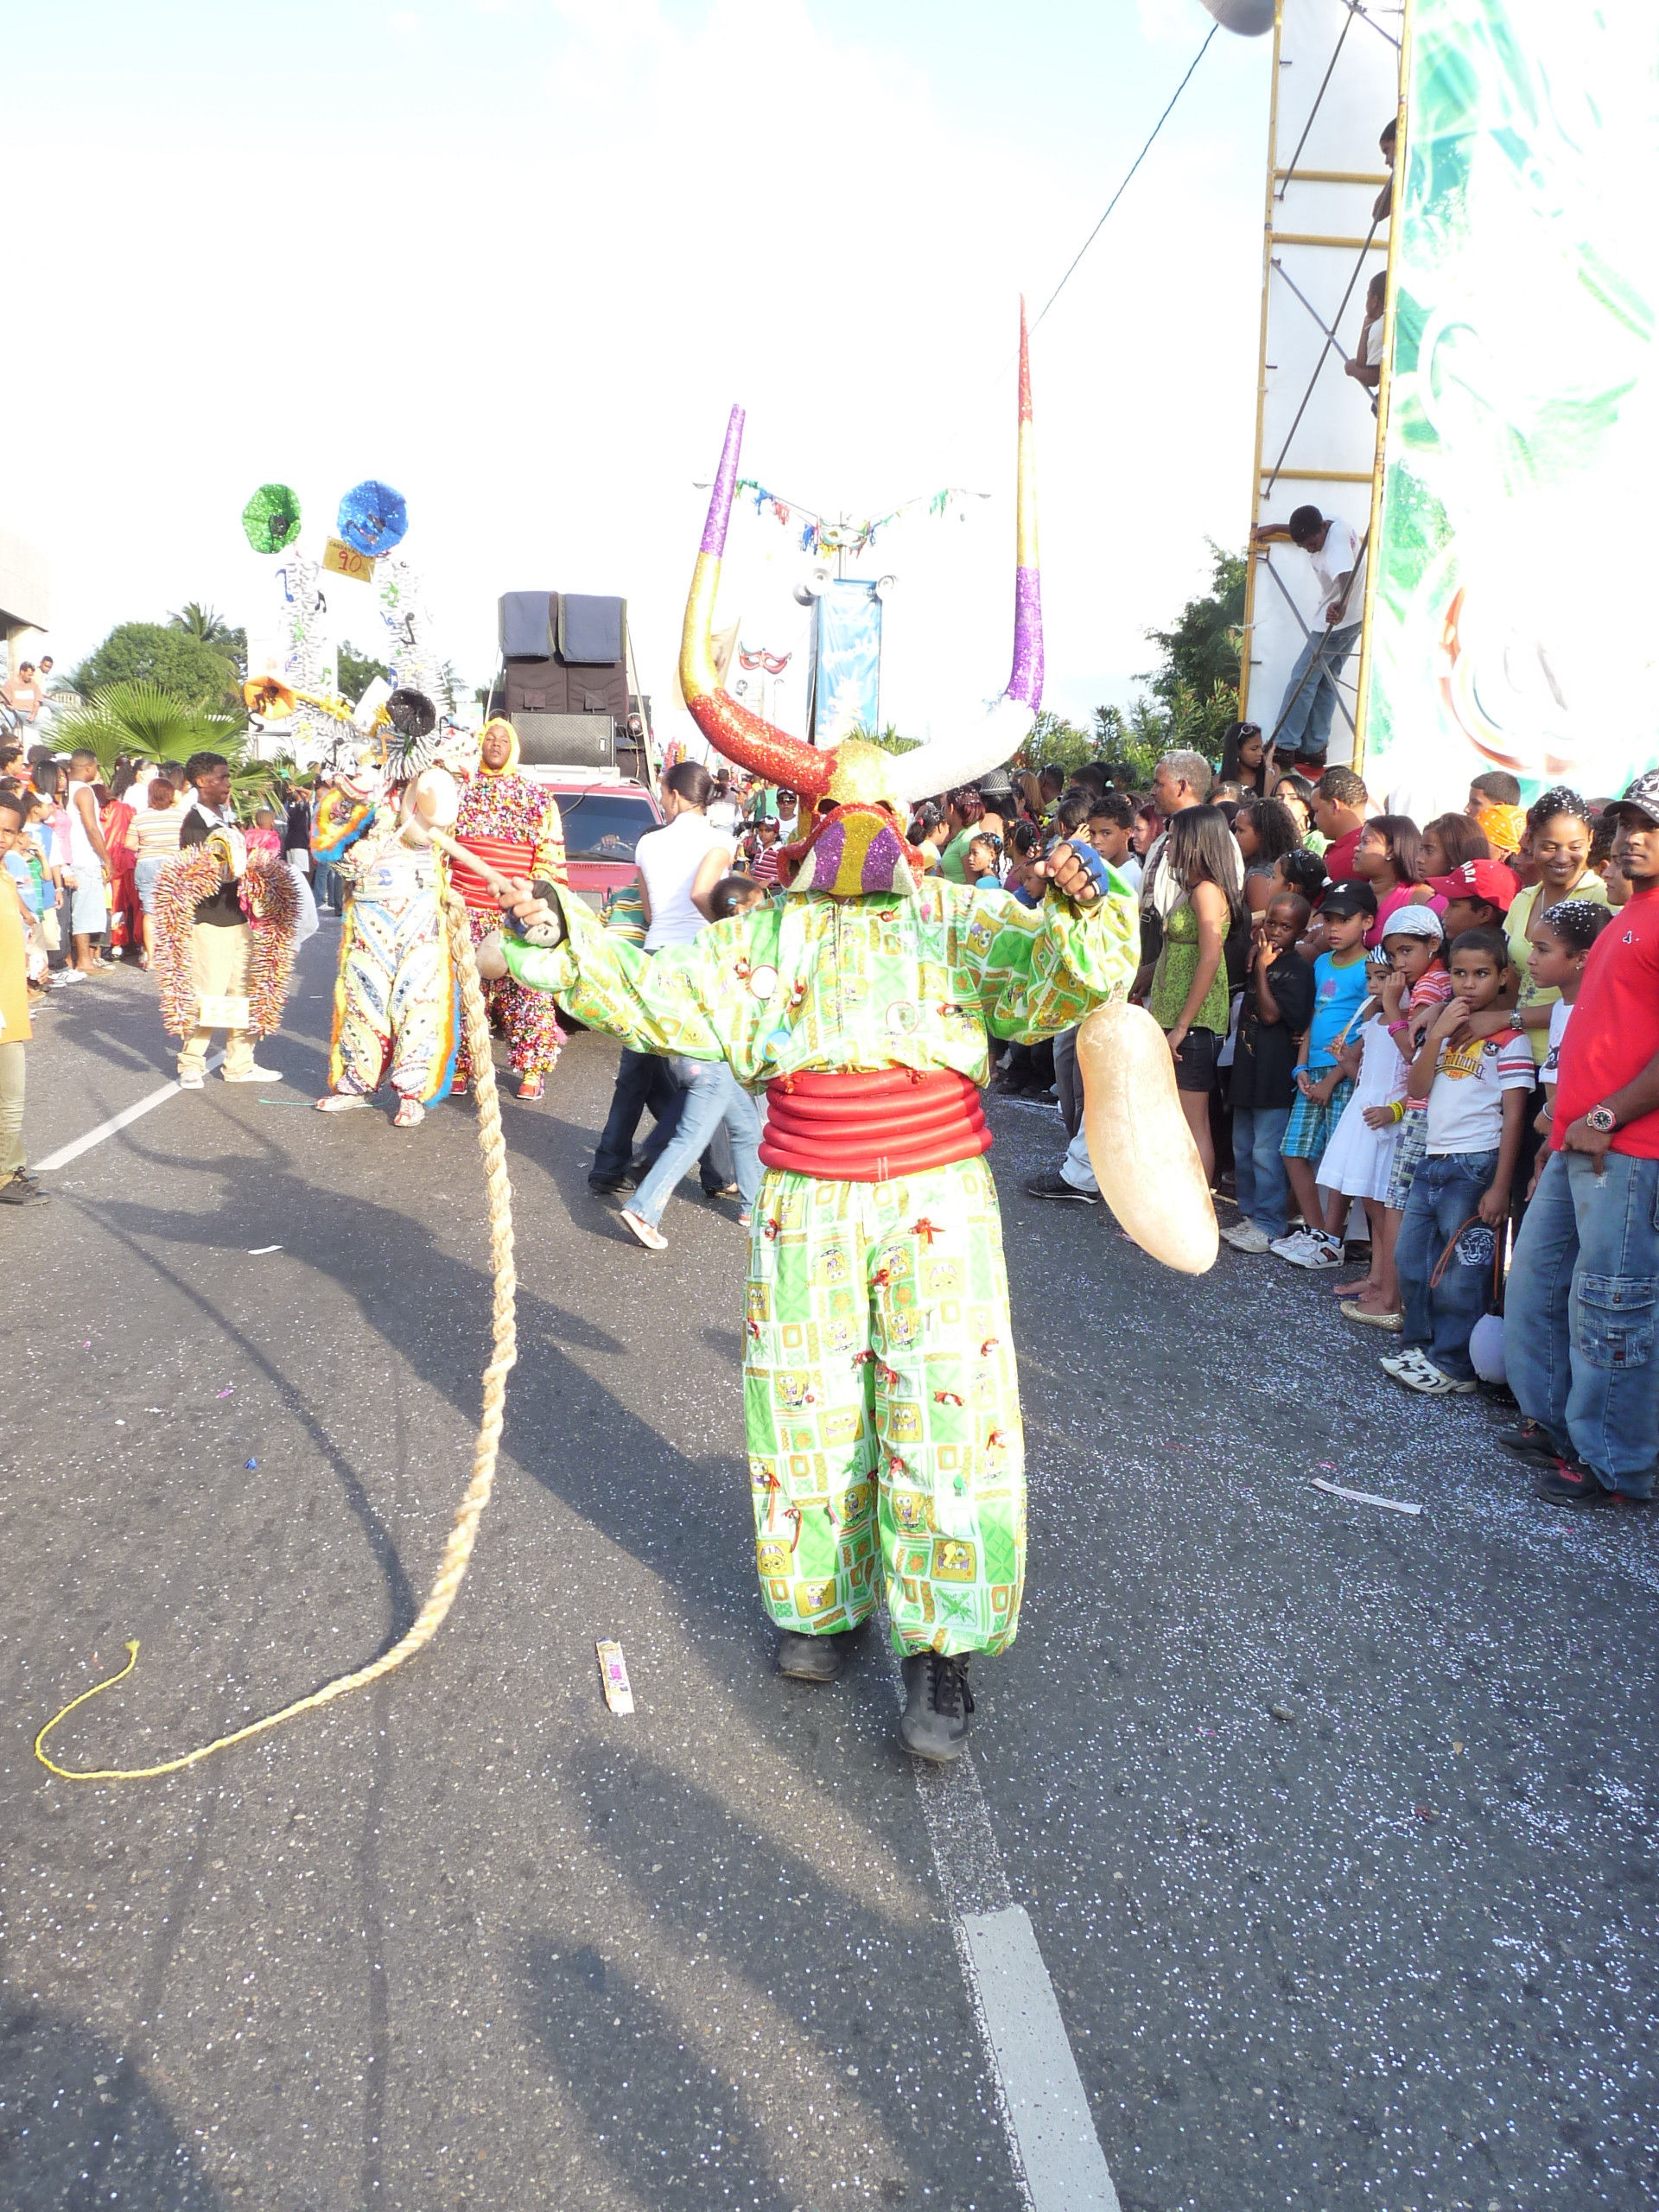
[1139,1146]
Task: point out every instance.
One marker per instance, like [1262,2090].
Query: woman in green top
[962,809]
[1189,998]
[1558,824]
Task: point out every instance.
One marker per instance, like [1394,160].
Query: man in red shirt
[1584,1284]
[1339,803]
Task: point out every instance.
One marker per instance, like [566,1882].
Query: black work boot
[814,1658]
[938,1702]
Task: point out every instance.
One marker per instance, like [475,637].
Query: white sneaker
[254,1074]
[1417,1371]
[1245,1236]
[191,1079]
[1306,1248]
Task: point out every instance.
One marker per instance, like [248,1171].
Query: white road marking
[1058,2161]
[1065,2169]
[65,1154]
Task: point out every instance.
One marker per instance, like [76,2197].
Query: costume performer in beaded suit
[886,1450]
[513,825]
[396,1007]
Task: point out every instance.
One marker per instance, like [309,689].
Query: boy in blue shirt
[1341,987]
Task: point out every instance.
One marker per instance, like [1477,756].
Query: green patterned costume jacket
[880,1393]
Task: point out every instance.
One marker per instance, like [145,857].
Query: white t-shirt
[1339,553]
[668,858]
[1129,869]
[1377,341]
[1559,1014]
[1465,1107]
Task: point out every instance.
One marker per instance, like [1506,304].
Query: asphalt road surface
[1335,1828]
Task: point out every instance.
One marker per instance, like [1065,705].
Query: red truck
[605,817]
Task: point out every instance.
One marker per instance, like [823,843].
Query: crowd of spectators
[1368,1019]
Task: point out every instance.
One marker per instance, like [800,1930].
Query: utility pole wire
[1134,165]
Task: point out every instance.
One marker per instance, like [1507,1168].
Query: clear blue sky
[518,257]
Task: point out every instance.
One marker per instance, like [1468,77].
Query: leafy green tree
[1196,681]
[175,662]
[358,672]
[1055,742]
[205,625]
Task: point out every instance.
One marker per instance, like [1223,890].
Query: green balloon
[271,517]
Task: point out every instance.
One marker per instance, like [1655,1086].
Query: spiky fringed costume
[886,1450]
[272,905]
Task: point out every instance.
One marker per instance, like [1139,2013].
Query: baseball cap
[1487,880]
[1342,900]
[1413,921]
[1640,799]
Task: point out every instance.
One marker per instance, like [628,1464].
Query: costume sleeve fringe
[274,907]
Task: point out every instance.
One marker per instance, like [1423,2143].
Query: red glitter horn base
[752,743]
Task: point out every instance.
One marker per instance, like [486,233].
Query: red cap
[1487,880]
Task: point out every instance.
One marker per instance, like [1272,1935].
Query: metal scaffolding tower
[1336,82]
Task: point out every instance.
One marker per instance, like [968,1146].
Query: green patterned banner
[1514,620]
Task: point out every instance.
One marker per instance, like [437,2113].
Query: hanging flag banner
[1523,409]
[847,661]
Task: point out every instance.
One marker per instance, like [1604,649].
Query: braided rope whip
[504,1351]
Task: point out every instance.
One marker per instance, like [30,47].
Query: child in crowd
[1323,1091]
[982,863]
[1416,987]
[1277,1007]
[1111,832]
[1561,939]
[265,838]
[735,894]
[1477,896]
[1360,1154]
[764,866]
[1477,1093]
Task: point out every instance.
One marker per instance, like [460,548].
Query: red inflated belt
[866,1129]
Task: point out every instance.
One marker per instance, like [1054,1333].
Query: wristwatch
[1601,1120]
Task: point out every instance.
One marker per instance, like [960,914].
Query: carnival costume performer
[886,1450]
[513,826]
[396,1008]
[223,921]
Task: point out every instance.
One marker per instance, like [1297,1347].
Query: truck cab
[604,815]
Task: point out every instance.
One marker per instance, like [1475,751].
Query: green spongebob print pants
[881,1405]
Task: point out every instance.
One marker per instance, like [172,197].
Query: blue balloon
[372,517]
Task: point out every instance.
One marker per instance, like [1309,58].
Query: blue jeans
[1577,1325]
[713,1095]
[1445,1192]
[1305,710]
[1258,1178]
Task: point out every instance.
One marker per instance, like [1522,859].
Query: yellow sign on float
[343,560]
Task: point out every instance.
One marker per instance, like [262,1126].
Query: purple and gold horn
[945,762]
[742,736]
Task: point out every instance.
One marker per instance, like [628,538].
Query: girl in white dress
[1359,1158]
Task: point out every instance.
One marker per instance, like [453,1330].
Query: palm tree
[144,722]
[204,624]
